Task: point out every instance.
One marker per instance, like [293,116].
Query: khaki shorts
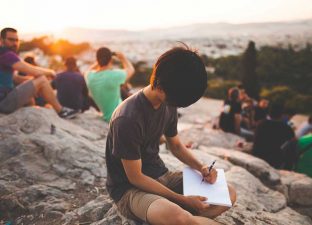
[18,97]
[135,203]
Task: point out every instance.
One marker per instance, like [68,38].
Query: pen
[210,168]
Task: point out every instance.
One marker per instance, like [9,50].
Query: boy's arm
[186,156]
[133,170]
[126,64]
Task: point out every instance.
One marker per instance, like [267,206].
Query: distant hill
[302,27]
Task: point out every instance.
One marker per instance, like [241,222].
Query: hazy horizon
[54,16]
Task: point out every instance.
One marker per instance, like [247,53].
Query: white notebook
[217,193]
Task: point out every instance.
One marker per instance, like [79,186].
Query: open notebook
[217,193]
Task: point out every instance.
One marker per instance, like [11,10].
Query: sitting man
[104,83]
[138,180]
[71,87]
[270,135]
[12,98]
[261,111]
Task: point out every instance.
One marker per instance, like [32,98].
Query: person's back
[269,137]
[304,164]
[71,89]
[105,89]
[104,83]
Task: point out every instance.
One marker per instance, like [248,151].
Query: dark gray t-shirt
[134,133]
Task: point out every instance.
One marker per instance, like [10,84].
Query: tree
[249,75]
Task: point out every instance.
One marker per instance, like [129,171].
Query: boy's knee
[182,217]
[232,192]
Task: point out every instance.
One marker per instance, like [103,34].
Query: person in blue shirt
[13,98]
[71,87]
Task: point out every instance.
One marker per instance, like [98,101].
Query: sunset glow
[55,15]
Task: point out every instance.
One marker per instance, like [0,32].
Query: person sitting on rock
[261,111]
[137,179]
[38,100]
[104,83]
[12,98]
[270,136]
[230,118]
[71,87]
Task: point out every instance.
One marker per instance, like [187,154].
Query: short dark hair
[4,31]
[103,56]
[181,74]
[276,111]
[310,119]
[71,64]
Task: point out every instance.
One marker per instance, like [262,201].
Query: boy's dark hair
[103,56]
[5,30]
[181,74]
[276,111]
[310,119]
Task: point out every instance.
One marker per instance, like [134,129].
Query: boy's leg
[164,212]
[174,181]
[154,209]
[44,89]
[214,211]
[18,97]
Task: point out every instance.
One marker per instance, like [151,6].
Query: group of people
[269,127]
[137,179]
[23,82]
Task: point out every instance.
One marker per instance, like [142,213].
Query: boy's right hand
[196,203]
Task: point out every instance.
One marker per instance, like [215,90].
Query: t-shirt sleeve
[120,76]
[171,129]
[9,58]
[127,138]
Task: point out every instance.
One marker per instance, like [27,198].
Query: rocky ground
[59,178]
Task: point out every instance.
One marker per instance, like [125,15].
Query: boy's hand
[209,177]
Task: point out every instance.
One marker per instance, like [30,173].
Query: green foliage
[60,47]
[275,67]
[142,74]
[249,75]
[217,88]
[289,98]
[228,67]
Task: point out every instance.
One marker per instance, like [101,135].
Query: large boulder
[59,177]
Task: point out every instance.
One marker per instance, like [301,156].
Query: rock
[298,190]
[256,166]
[60,178]
[87,178]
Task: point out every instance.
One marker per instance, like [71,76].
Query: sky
[55,15]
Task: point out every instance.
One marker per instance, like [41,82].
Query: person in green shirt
[104,82]
[304,164]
